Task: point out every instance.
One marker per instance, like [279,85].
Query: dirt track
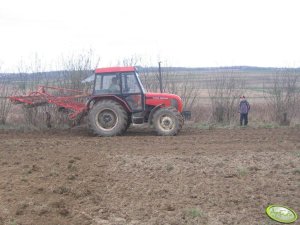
[213,177]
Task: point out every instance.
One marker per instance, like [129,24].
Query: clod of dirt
[72,177]
[72,167]
[61,190]
[58,204]
[21,208]
[35,168]
[39,190]
[170,208]
[64,212]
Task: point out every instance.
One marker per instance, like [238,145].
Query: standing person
[244,109]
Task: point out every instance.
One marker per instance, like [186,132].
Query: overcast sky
[193,33]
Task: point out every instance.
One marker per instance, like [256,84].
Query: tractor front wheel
[108,118]
[167,121]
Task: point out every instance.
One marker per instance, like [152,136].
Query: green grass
[242,171]
[13,223]
[268,125]
[194,213]
[169,167]
[18,127]
[297,154]
[202,126]
[296,171]
[211,126]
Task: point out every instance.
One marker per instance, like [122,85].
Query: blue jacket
[244,107]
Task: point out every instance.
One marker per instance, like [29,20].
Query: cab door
[132,92]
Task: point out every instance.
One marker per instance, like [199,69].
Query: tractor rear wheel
[167,121]
[108,118]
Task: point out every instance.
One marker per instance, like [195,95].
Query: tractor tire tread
[178,117]
[122,117]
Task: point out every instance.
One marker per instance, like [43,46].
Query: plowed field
[214,177]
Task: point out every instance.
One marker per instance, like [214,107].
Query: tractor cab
[122,82]
[120,88]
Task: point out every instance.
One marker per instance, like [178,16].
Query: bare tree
[6,90]
[173,81]
[181,84]
[76,68]
[282,96]
[134,60]
[5,105]
[224,91]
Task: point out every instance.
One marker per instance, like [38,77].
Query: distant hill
[34,76]
[218,69]
[60,74]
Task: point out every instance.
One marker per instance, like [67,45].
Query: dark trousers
[244,117]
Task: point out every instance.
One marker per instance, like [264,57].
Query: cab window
[130,84]
[107,84]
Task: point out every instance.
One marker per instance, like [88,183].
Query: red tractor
[118,100]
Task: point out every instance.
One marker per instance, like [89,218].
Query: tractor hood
[165,99]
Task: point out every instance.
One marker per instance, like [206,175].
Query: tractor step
[137,120]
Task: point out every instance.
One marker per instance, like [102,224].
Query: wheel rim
[107,119]
[166,122]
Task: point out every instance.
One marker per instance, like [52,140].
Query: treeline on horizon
[55,74]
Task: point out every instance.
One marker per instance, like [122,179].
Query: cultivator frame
[65,99]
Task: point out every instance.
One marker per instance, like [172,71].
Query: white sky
[196,33]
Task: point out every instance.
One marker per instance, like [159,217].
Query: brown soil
[218,176]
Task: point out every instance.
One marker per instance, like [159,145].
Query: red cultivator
[65,99]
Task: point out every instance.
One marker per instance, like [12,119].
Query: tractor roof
[115,69]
